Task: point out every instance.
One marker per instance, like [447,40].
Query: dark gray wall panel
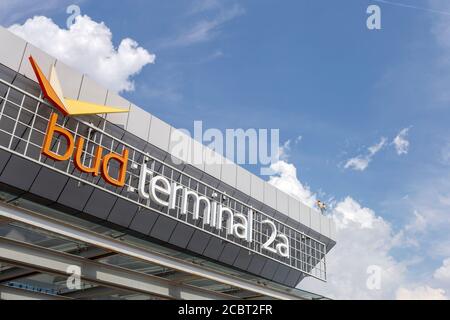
[163,228]
[143,221]
[214,248]
[19,173]
[256,264]
[243,259]
[122,213]
[181,235]
[269,269]
[281,274]
[229,253]
[199,241]
[49,184]
[75,194]
[293,278]
[100,204]
[4,157]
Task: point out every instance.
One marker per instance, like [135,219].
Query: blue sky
[311,69]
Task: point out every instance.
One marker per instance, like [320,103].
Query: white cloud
[443,272]
[361,162]
[363,240]
[285,179]
[421,293]
[284,150]
[205,29]
[400,142]
[88,47]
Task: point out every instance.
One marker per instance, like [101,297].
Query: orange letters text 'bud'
[100,163]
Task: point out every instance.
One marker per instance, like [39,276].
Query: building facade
[98,206]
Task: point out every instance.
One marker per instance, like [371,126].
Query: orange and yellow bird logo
[52,91]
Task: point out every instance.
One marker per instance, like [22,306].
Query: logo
[52,91]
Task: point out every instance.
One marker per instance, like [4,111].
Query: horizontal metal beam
[10,293]
[55,262]
[15,273]
[93,292]
[89,237]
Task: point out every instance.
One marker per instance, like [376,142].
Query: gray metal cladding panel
[156,152]
[27,84]
[242,196]
[194,172]
[214,248]
[256,264]
[75,194]
[181,235]
[226,188]
[6,74]
[243,259]
[269,210]
[281,273]
[134,141]
[163,228]
[257,205]
[293,278]
[198,242]
[281,217]
[269,269]
[49,184]
[143,221]
[210,180]
[19,173]
[229,253]
[100,204]
[4,157]
[122,213]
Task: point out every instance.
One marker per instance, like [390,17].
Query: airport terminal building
[98,202]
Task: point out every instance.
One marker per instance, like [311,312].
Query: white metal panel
[43,60]
[305,215]
[282,202]
[270,195]
[11,49]
[243,180]
[257,188]
[179,146]
[196,155]
[70,80]
[213,162]
[139,122]
[332,230]
[91,91]
[315,220]
[229,171]
[325,225]
[114,100]
[294,209]
[159,134]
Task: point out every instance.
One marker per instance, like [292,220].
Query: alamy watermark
[373,22]
[74,11]
[242,146]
